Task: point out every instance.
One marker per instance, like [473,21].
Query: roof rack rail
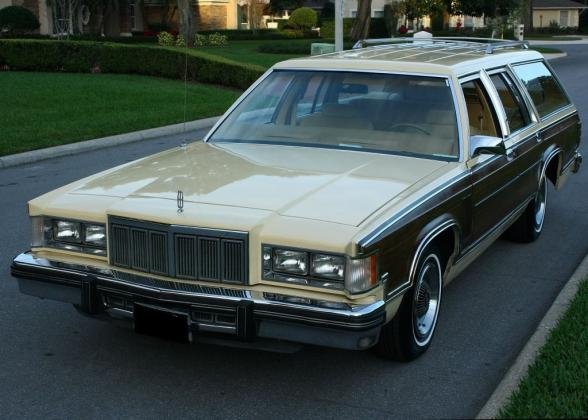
[489,45]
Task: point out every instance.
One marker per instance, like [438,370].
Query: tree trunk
[187,21]
[361,27]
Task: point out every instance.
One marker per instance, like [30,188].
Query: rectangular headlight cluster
[319,269]
[70,235]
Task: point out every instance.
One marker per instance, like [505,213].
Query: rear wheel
[409,334]
[528,227]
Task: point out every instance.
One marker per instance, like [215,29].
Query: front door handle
[511,154]
[538,137]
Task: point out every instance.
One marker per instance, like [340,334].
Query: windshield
[403,114]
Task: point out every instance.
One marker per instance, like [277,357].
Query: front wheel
[409,334]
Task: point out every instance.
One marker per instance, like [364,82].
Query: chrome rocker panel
[93,291]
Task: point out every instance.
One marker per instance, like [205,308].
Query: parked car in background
[329,205]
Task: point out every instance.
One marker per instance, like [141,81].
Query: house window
[378,14]
[133,14]
[354,13]
[564,17]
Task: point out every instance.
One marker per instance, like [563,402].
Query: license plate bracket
[160,323]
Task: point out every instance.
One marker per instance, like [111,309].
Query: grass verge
[557,383]
[546,50]
[247,51]
[48,109]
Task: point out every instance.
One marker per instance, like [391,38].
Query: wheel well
[445,242]
[551,171]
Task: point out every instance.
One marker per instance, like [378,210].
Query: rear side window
[546,93]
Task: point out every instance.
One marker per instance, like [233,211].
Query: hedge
[377,28]
[302,47]
[258,34]
[86,57]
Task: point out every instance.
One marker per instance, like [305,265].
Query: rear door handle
[538,137]
[511,154]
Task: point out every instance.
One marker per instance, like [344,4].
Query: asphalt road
[55,363]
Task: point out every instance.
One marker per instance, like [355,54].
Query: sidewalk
[556,41]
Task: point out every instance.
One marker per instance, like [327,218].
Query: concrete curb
[527,356]
[101,143]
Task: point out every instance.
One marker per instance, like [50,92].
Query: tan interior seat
[336,116]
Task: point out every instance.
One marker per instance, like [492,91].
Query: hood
[336,186]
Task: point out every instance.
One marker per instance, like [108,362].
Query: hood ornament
[180,201]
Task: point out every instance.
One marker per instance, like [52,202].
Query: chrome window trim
[447,77]
[512,84]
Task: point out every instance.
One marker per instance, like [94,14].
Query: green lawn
[246,52]
[546,50]
[47,109]
[557,383]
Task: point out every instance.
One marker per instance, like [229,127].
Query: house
[350,10]
[125,17]
[561,13]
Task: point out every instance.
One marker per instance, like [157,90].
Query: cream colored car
[329,205]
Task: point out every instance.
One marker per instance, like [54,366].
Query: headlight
[95,235]
[294,262]
[70,235]
[328,266]
[65,231]
[319,269]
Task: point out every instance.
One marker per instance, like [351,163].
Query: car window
[312,97]
[481,115]
[544,90]
[405,114]
[516,113]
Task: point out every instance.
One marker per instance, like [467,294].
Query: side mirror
[486,145]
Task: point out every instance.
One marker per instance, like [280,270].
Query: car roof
[443,56]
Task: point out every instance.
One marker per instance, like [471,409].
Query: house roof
[558,4]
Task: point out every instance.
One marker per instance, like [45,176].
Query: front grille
[179,251]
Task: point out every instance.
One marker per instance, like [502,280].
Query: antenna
[184,140]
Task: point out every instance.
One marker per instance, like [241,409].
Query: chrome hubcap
[540,205]
[427,297]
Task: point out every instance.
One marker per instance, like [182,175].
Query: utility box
[519,32]
[318,48]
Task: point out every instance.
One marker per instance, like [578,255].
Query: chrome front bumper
[233,314]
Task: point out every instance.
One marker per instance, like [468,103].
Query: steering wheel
[411,126]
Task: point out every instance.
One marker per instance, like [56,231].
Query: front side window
[480,114]
[516,112]
[544,90]
[403,114]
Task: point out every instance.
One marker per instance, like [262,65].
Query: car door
[500,183]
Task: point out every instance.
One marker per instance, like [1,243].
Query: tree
[361,26]
[187,21]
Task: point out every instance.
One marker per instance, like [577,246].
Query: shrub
[200,40]
[217,40]
[377,28]
[85,57]
[165,39]
[17,20]
[180,41]
[303,17]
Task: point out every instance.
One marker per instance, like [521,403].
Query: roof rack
[488,45]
